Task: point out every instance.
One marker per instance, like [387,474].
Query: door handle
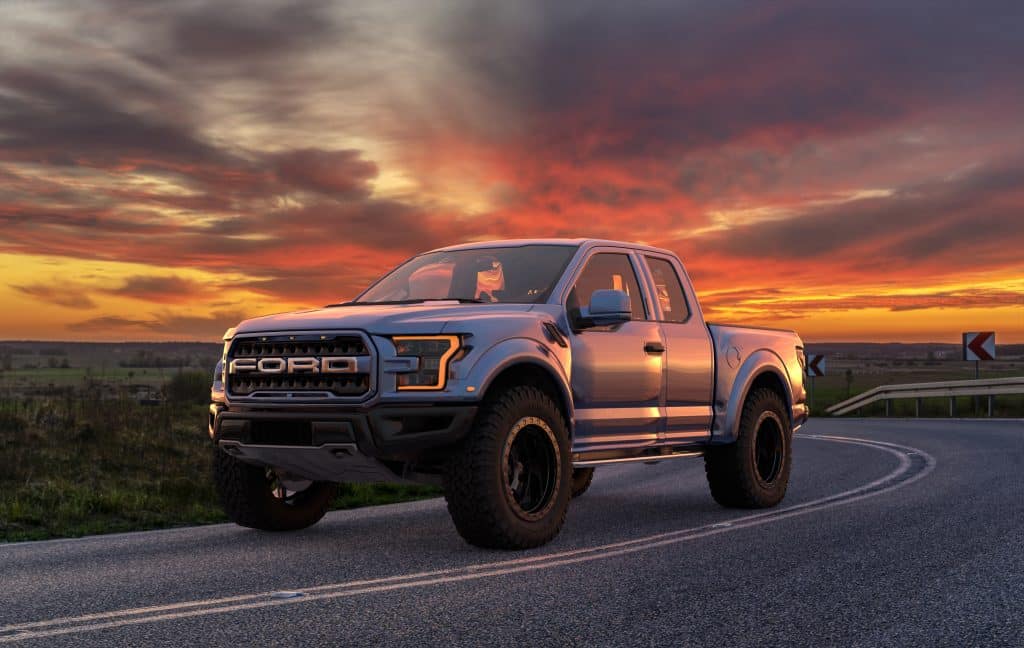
[654,347]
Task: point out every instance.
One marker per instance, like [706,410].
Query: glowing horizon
[849,172]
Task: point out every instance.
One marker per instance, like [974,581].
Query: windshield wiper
[461,300]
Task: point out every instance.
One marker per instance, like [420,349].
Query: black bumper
[385,432]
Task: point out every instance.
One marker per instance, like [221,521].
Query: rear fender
[728,411]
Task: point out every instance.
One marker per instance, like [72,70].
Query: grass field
[97,447]
[838,385]
[101,446]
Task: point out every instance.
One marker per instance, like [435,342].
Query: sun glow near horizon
[167,170]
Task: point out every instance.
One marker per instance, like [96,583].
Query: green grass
[43,376]
[79,455]
[834,388]
[75,466]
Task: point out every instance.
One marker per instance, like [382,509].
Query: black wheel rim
[530,468]
[769,448]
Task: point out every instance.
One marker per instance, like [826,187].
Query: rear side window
[606,270]
[669,290]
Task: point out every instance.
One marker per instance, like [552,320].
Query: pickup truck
[506,372]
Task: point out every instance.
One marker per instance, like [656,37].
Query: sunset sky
[852,170]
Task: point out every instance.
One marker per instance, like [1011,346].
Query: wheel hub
[284,487]
[531,468]
[769,448]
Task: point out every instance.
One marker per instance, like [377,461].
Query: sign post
[815,367]
[979,346]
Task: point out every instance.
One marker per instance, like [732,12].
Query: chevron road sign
[815,365]
[980,346]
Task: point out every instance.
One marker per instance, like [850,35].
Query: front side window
[669,290]
[523,274]
[606,270]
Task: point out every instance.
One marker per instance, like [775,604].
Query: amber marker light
[434,353]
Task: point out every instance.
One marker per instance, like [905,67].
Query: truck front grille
[278,380]
[342,345]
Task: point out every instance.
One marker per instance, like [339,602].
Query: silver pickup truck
[506,372]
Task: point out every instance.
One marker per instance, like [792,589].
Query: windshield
[518,275]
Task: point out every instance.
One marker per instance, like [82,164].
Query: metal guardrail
[950,389]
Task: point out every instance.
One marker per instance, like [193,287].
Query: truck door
[617,371]
[689,353]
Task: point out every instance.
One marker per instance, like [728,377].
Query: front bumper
[394,432]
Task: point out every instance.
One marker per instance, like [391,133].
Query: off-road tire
[581,479]
[733,470]
[246,494]
[477,486]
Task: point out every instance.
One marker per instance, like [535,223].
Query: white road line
[186,609]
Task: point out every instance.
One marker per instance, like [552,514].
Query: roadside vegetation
[75,464]
[86,450]
[849,376]
[91,443]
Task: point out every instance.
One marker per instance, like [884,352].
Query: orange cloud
[848,171]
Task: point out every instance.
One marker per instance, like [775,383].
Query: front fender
[737,385]
[514,351]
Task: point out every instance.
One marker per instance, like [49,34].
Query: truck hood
[384,319]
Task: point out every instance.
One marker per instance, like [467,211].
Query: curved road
[900,532]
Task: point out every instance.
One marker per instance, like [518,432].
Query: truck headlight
[218,377]
[434,353]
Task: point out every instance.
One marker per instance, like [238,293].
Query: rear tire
[253,496]
[508,483]
[754,471]
[581,479]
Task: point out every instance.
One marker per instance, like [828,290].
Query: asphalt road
[916,543]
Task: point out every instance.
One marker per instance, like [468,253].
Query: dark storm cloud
[227,31]
[973,211]
[660,78]
[48,118]
[169,288]
[223,137]
[322,237]
[99,119]
[69,297]
[340,173]
[374,224]
[23,221]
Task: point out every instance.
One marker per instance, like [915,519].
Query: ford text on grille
[332,365]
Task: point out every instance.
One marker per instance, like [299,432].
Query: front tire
[509,482]
[754,471]
[256,497]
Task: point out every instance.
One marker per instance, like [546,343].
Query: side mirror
[608,307]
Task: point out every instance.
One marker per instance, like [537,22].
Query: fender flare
[517,351]
[756,365]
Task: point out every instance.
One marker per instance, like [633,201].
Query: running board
[651,459]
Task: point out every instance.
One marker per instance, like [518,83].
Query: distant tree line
[7,363]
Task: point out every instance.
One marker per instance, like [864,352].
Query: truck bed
[739,347]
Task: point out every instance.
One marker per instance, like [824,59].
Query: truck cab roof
[585,243]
